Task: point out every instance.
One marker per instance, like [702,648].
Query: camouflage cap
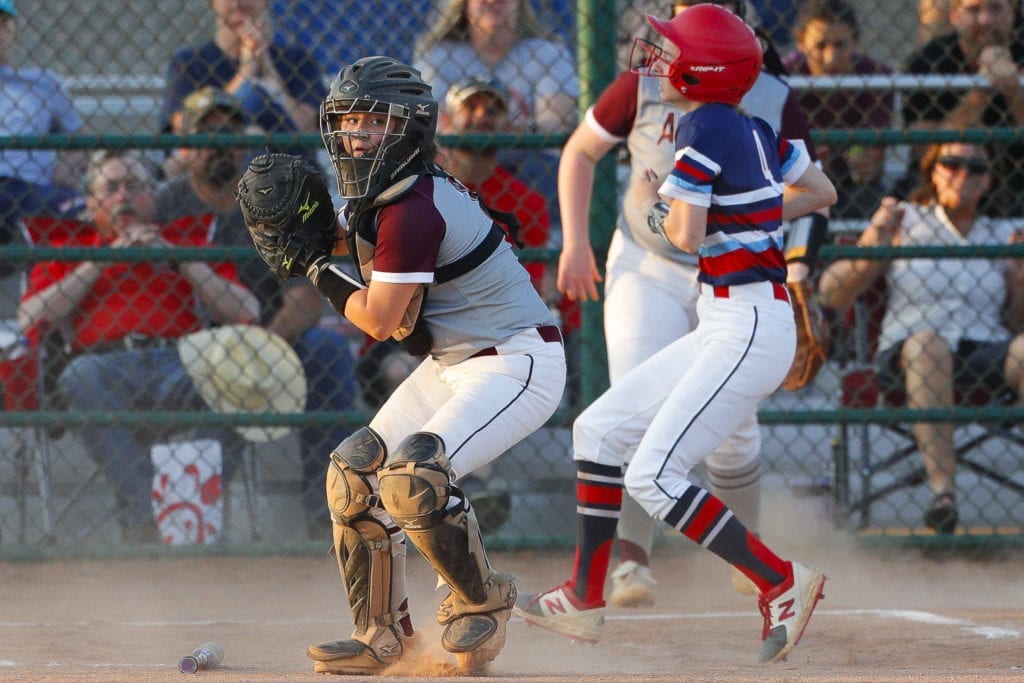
[205,100]
[461,91]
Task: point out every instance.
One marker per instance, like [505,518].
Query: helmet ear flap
[678,74]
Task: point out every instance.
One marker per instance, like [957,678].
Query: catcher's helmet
[719,55]
[396,91]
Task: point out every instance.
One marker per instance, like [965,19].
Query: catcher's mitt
[288,211]
[812,337]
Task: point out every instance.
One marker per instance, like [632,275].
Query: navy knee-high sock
[705,519]
[598,504]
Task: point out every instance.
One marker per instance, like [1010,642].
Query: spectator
[339,33]
[776,19]
[933,19]
[291,310]
[121,321]
[32,102]
[982,42]
[280,87]
[480,105]
[826,36]
[503,40]
[943,326]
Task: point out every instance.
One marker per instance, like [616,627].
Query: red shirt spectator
[101,302]
[147,298]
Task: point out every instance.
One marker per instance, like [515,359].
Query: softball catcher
[433,269]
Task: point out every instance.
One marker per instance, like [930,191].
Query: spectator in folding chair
[32,102]
[943,330]
[291,310]
[122,320]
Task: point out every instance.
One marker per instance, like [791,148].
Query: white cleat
[632,585]
[559,610]
[786,609]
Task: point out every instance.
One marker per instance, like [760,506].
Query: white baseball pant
[480,407]
[650,302]
[680,405]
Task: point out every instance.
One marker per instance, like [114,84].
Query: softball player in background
[672,411]
[651,287]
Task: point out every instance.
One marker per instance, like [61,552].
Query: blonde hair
[453,24]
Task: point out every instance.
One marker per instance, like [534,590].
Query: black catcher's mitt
[288,211]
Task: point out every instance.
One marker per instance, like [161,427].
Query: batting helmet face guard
[378,118]
[719,55]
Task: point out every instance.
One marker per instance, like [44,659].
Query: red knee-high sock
[705,519]
[598,503]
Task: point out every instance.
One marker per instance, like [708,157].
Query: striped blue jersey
[735,166]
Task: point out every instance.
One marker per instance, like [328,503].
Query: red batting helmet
[719,55]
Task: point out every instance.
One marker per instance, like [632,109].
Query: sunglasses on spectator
[973,165]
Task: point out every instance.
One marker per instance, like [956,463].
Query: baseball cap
[242,369]
[467,87]
[7,7]
[200,103]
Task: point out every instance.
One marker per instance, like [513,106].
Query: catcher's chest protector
[361,238]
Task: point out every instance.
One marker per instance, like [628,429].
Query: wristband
[333,283]
[804,237]
[656,217]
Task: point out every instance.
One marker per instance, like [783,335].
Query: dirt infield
[888,615]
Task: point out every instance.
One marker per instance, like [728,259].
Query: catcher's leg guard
[416,489]
[372,564]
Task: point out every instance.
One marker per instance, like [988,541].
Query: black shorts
[976,365]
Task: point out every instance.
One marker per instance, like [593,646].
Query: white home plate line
[990,632]
[983,630]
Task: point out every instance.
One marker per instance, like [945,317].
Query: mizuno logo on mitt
[305,211]
[265,190]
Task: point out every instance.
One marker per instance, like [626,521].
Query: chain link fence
[138,410]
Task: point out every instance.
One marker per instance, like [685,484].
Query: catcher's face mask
[367,142]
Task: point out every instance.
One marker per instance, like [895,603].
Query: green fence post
[595,22]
